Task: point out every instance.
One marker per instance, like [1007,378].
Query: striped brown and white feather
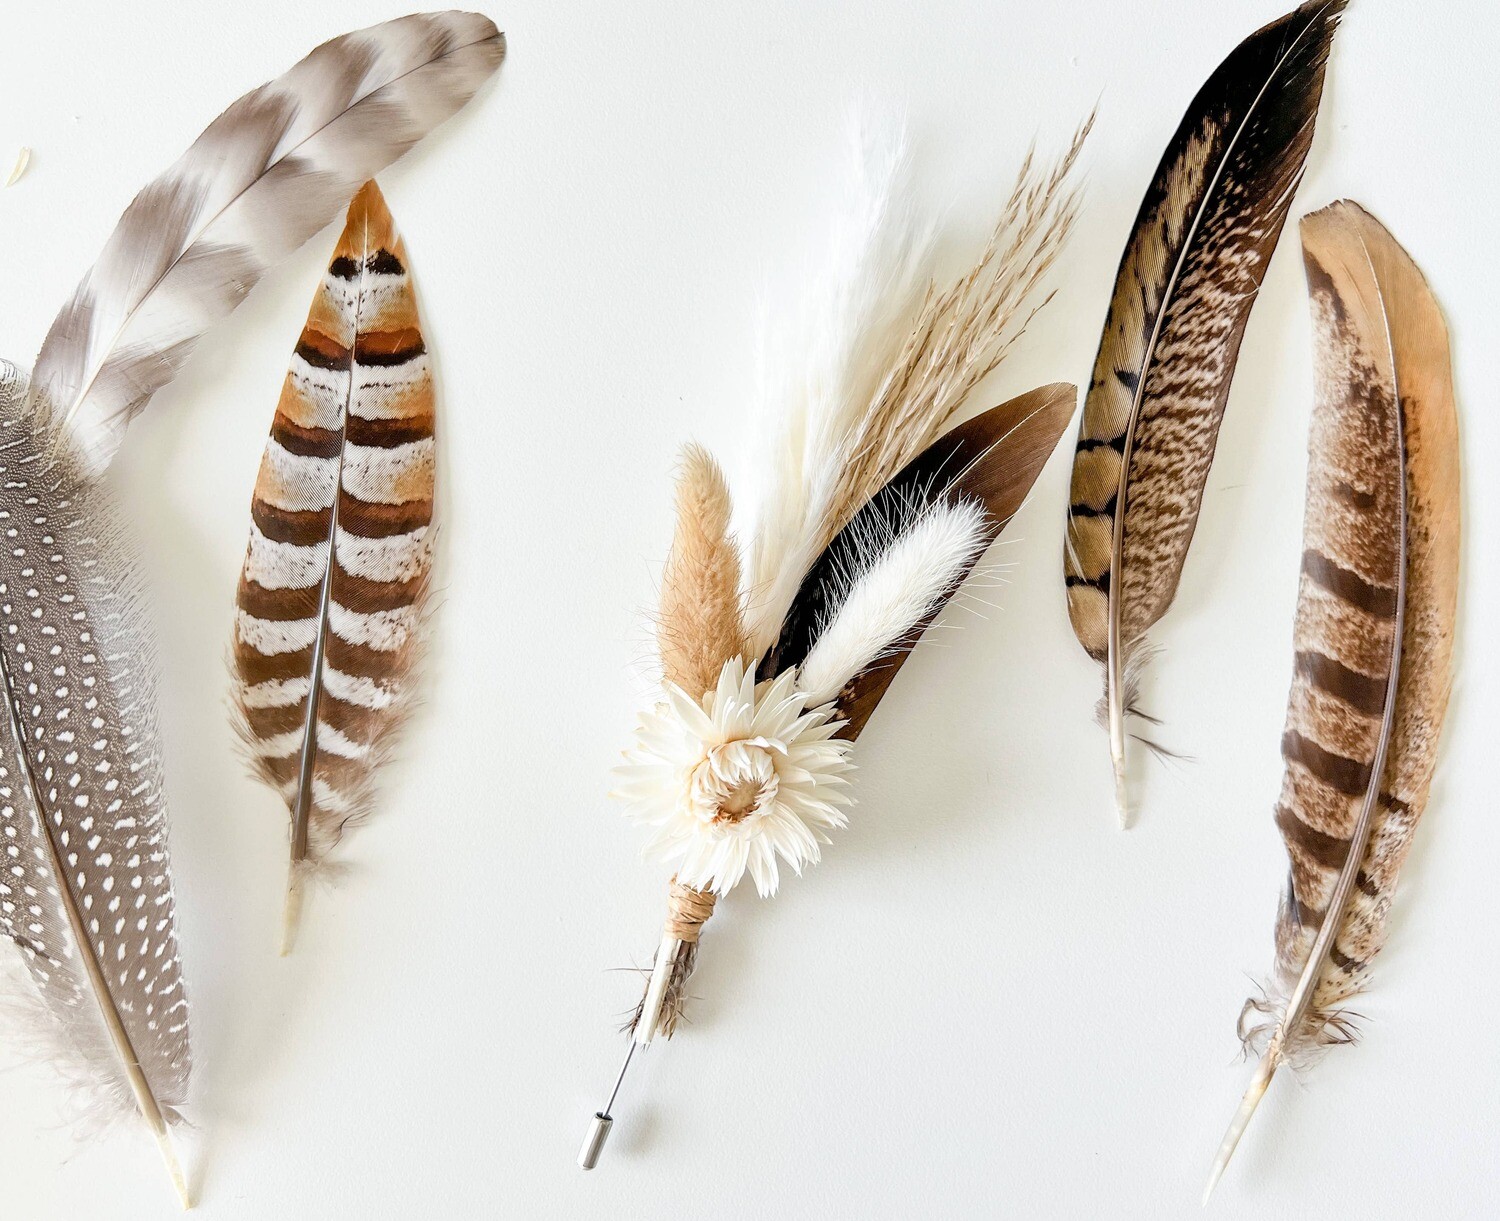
[1376,611]
[86,889]
[1189,277]
[264,177]
[336,573]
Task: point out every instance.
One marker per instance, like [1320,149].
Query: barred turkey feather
[263,178]
[1188,279]
[336,573]
[86,892]
[1376,610]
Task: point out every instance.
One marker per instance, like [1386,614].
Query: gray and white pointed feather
[264,177]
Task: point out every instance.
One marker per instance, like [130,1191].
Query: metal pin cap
[593,1143]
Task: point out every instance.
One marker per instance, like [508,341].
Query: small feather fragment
[23,159]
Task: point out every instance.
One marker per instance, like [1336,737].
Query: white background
[987,1001]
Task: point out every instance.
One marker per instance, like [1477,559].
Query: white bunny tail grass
[905,581]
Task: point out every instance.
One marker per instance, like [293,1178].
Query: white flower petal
[738,781]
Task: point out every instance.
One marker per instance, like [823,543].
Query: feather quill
[1188,279]
[264,177]
[336,573]
[1376,611]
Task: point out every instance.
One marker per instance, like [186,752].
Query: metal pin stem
[599,1126]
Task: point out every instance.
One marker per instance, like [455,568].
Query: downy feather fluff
[1376,610]
[264,177]
[1189,277]
[86,896]
[336,572]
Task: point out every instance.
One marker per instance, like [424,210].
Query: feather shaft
[1259,1084]
[649,1019]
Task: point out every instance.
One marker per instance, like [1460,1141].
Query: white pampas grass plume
[884,359]
[820,372]
[903,582]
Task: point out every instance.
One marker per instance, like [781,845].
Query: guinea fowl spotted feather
[1188,279]
[336,573]
[85,892]
[1376,609]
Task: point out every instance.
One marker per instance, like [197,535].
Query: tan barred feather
[1374,631]
[1189,276]
[348,472]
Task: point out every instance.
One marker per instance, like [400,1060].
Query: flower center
[733,782]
